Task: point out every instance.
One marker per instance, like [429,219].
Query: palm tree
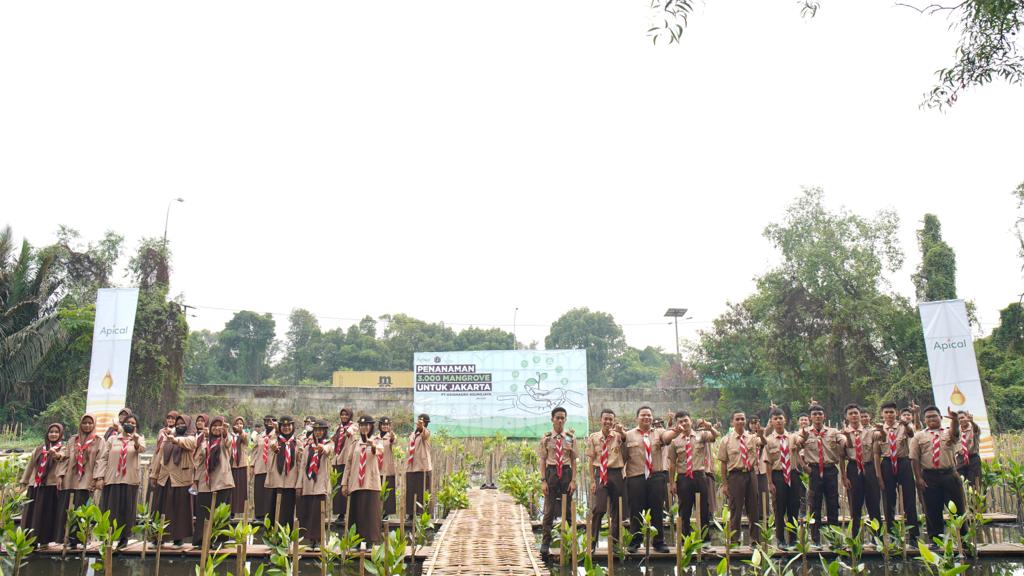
[29,325]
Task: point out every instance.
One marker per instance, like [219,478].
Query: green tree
[636,368]
[988,47]
[201,354]
[935,278]
[302,347]
[595,332]
[474,338]
[246,346]
[405,335]
[29,325]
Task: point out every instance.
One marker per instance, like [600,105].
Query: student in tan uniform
[386,463]
[285,475]
[121,475]
[78,477]
[933,452]
[238,448]
[894,468]
[604,452]
[645,478]
[782,453]
[738,455]
[689,453]
[316,483]
[263,461]
[154,496]
[115,426]
[343,434]
[361,483]
[43,512]
[823,448]
[173,470]
[968,462]
[858,474]
[213,480]
[418,466]
[557,456]
[754,425]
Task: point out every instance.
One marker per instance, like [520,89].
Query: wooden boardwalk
[492,537]
[1006,550]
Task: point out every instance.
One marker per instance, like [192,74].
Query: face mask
[269,429]
[180,430]
[129,428]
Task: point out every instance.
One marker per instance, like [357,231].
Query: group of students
[761,468]
[202,462]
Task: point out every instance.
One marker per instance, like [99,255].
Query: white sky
[454,160]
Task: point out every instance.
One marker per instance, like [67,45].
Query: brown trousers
[743,497]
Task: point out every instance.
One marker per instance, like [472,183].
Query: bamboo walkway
[492,537]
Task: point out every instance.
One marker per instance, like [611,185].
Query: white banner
[476,394]
[111,351]
[953,365]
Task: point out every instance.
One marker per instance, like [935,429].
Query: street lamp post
[515,316]
[675,313]
[167,216]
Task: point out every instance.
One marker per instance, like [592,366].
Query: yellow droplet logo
[108,381]
[957,397]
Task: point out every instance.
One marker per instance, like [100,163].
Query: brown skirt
[389,502]
[120,499]
[44,514]
[263,497]
[415,485]
[365,514]
[240,494]
[176,505]
[310,516]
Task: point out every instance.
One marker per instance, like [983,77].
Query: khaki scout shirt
[371,476]
[921,448]
[773,450]
[832,443]
[730,453]
[53,467]
[634,452]
[700,443]
[91,448]
[902,441]
[263,454]
[110,459]
[387,443]
[867,445]
[322,484]
[220,478]
[239,455]
[547,451]
[344,442]
[594,448]
[180,475]
[291,478]
[421,456]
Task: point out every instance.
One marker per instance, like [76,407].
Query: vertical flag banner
[111,352]
[479,393]
[953,365]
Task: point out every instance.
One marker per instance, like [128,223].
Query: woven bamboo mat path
[490,538]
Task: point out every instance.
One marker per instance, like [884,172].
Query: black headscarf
[173,451]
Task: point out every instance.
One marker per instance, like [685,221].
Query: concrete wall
[321,401]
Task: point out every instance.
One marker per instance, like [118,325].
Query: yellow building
[371,379]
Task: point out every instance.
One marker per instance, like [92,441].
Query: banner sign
[953,365]
[111,351]
[479,393]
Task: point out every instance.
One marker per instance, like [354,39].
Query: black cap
[265,418]
[367,419]
[384,420]
[286,420]
[320,424]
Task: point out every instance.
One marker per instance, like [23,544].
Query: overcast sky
[455,160]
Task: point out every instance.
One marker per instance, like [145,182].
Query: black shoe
[661,548]
[632,548]
[545,550]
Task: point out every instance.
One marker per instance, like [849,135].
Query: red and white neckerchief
[380,457]
[44,460]
[80,449]
[362,463]
[821,450]
[122,462]
[559,454]
[266,448]
[648,462]
[891,436]
[289,453]
[234,448]
[602,473]
[689,457]
[858,451]
[412,448]
[342,436]
[965,443]
[936,448]
[786,464]
[744,453]
[209,451]
[314,463]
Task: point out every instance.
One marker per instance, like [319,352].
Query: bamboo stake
[295,549]
[679,544]
[700,527]
[207,528]
[323,536]
[67,528]
[277,506]
[572,529]
[611,537]
[561,556]
[348,507]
